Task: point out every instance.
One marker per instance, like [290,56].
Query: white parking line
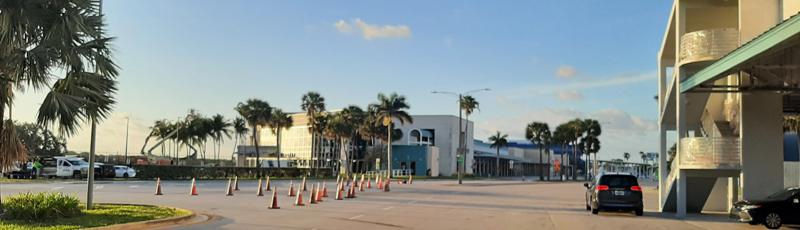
[412,202]
[99,187]
[57,188]
[429,198]
[134,186]
[388,208]
[356,217]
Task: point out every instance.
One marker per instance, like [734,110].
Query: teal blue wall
[408,153]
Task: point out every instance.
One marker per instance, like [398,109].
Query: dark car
[614,192]
[773,211]
[105,171]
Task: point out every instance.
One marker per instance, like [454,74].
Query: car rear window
[619,181]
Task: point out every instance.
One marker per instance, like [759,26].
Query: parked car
[67,166]
[105,170]
[614,192]
[124,171]
[773,211]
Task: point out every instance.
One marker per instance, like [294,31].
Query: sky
[547,61]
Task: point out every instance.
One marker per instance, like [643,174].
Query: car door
[793,210]
[117,171]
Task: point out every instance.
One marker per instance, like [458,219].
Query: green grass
[102,215]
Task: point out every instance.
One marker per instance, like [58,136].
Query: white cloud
[343,27]
[581,85]
[566,72]
[375,31]
[569,95]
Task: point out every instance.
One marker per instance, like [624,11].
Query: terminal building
[727,76]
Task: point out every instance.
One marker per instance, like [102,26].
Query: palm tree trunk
[497,165]
[541,168]
[278,152]
[575,159]
[549,159]
[389,151]
[90,180]
[258,155]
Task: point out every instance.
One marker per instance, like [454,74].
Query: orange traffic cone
[274,203]
[342,185]
[410,177]
[399,181]
[260,190]
[158,187]
[194,189]
[318,194]
[324,189]
[291,188]
[369,183]
[361,186]
[236,184]
[362,178]
[312,197]
[380,184]
[386,188]
[338,193]
[337,179]
[350,193]
[268,188]
[348,180]
[523,177]
[304,184]
[229,191]
[299,200]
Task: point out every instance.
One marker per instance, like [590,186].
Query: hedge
[181,172]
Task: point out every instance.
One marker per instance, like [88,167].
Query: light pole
[127,131]
[461,137]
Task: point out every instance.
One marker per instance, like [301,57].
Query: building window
[421,137]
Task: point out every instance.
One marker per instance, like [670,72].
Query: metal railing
[395,172]
[709,126]
[710,152]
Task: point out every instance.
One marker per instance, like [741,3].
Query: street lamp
[461,137]
[127,131]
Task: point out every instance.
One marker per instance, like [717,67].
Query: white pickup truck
[68,166]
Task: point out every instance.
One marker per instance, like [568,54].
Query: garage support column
[761,140]
[733,191]
[662,166]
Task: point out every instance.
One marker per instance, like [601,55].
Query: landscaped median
[57,211]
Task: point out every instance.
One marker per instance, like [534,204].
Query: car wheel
[639,212]
[76,176]
[125,175]
[772,221]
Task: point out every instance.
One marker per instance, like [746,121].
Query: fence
[172,172]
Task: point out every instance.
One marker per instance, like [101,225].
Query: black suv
[105,171]
[774,211]
[618,192]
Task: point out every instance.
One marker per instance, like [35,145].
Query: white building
[440,131]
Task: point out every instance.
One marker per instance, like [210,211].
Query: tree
[644,157]
[239,130]
[256,112]
[279,121]
[536,133]
[562,136]
[671,152]
[220,128]
[40,37]
[40,141]
[352,117]
[320,124]
[468,104]
[313,103]
[626,156]
[388,109]
[592,145]
[339,131]
[498,141]
[578,127]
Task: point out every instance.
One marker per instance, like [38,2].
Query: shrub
[178,172]
[41,206]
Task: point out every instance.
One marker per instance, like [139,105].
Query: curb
[151,223]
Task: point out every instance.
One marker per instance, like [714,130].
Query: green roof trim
[758,45]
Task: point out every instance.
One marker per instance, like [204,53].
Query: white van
[69,166]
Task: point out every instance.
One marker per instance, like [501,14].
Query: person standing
[35,169]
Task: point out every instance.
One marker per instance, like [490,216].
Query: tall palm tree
[220,128]
[388,109]
[353,117]
[626,156]
[313,103]
[498,141]
[469,105]
[578,127]
[339,131]
[279,121]
[256,112]
[536,133]
[239,130]
[547,139]
[36,39]
[643,156]
[320,125]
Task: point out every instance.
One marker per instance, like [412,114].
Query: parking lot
[432,204]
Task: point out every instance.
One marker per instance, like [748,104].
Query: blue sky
[544,61]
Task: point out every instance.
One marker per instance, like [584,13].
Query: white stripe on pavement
[388,208]
[356,217]
[57,188]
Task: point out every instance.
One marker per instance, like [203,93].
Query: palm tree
[468,104]
[536,132]
[562,137]
[498,141]
[626,156]
[388,109]
[643,156]
[256,112]
[279,121]
[313,103]
[578,127]
[239,130]
[36,39]
[548,140]
[591,142]
[339,131]
[352,117]
[320,124]
[220,127]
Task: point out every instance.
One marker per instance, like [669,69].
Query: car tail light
[636,188]
[602,187]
